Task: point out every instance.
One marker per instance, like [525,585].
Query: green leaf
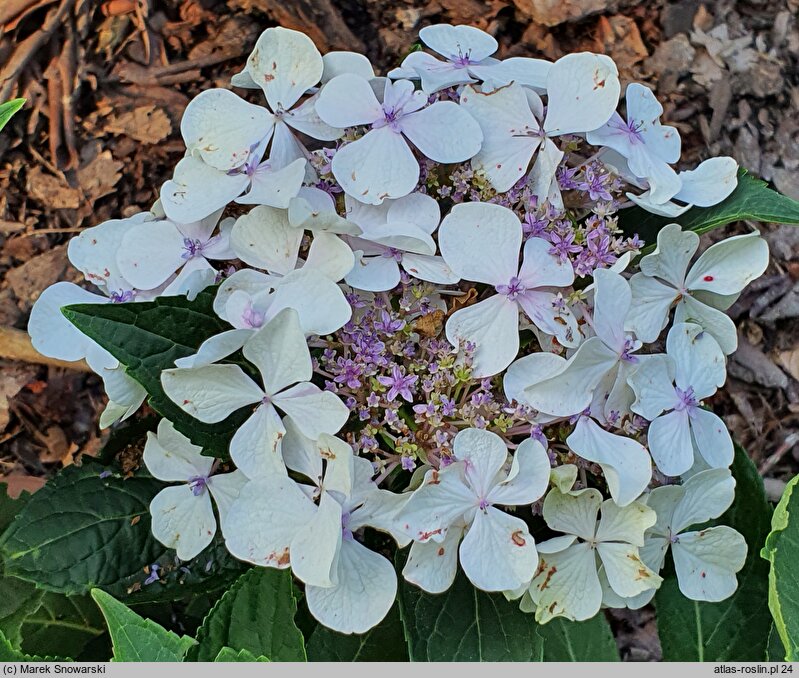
[256,614]
[17,598]
[147,338]
[227,654]
[466,624]
[736,629]
[81,531]
[61,625]
[782,552]
[8,109]
[752,199]
[136,639]
[384,643]
[9,654]
[10,508]
[588,641]
[775,651]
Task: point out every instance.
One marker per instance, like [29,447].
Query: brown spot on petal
[281,559]
[517,538]
[441,553]
[542,565]
[548,578]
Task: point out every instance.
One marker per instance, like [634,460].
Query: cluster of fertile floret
[441,338]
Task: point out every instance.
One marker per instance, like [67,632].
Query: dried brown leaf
[146,124]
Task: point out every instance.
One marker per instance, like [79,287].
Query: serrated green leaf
[81,531]
[466,624]
[588,641]
[9,654]
[136,639]
[256,614]
[147,338]
[384,643]
[10,508]
[751,200]
[735,629]
[61,625]
[782,552]
[227,654]
[17,598]
[8,109]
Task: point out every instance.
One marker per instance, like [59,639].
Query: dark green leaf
[9,654]
[82,531]
[8,109]
[227,654]
[17,598]
[256,614]
[466,624]
[752,199]
[384,643]
[588,641]
[9,508]
[782,552]
[61,625]
[775,651]
[735,629]
[136,639]
[147,338]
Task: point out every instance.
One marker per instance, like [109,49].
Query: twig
[41,231]
[772,460]
[28,48]
[67,69]
[55,114]
[171,74]
[13,11]
[16,345]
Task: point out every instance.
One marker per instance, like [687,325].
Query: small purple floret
[122,296]
[198,485]
[513,289]
[687,398]
[399,383]
[153,576]
[627,351]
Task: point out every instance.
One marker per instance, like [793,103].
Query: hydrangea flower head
[420,323]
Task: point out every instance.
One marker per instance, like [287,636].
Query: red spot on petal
[708,278]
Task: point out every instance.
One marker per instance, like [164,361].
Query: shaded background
[107,82]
